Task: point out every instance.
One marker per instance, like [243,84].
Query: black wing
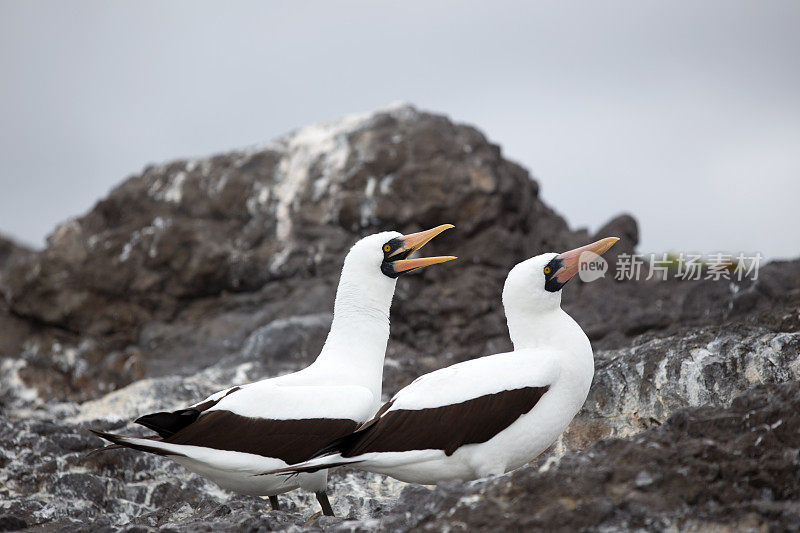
[167,423]
[290,440]
[444,428]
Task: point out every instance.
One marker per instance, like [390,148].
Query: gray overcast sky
[686,114]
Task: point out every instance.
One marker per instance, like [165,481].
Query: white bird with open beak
[244,430]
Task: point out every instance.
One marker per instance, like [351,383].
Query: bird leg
[322,498]
[276,505]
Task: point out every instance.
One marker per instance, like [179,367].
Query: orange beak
[412,243]
[570,261]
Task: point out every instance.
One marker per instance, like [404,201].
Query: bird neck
[550,329]
[356,344]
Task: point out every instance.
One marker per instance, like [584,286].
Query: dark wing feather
[444,428]
[290,440]
[167,424]
[120,442]
[348,441]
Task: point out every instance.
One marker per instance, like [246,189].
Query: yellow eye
[546,270]
[387,248]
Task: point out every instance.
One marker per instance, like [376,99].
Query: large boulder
[178,266]
[290,209]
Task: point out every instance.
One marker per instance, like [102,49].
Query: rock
[639,387]
[13,330]
[11,251]
[614,313]
[706,468]
[191,257]
[235,222]
[12,523]
[623,226]
[200,274]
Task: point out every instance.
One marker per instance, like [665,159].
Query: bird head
[535,284]
[385,256]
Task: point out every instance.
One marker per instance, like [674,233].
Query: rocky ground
[198,274]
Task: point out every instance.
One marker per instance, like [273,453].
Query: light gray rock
[639,387]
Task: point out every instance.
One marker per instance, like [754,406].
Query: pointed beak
[570,261]
[413,242]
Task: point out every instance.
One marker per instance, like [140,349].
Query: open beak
[413,242]
[570,261]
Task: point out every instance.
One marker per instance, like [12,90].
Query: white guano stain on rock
[386,183]
[660,377]
[691,375]
[368,202]
[259,199]
[321,148]
[152,231]
[169,189]
[11,384]
[687,373]
[280,258]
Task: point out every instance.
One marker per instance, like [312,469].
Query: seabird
[243,430]
[488,415]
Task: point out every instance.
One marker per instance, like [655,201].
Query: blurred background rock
[688,111]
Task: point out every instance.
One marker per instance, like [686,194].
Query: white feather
[272,400]
[479,377]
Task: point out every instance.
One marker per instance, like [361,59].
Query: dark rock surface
[199,274]
[704,469]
